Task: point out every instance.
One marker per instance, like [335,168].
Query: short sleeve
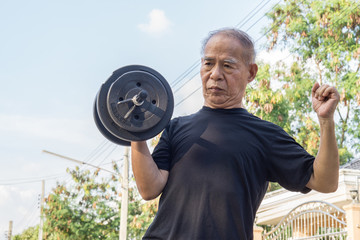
[162,151]
[289,163]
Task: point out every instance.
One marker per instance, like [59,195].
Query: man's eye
[208,65]
[227,66]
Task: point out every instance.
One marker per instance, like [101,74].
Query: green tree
[30,233]
[324,38]
[88,208]
[141,214]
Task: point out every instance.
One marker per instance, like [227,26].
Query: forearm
[326,166]
[150,180]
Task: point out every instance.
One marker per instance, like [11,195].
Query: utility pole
[10,230]
[124,197]
[42,210]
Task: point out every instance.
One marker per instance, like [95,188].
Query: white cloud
[158,23]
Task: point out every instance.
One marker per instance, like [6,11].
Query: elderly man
[213,167]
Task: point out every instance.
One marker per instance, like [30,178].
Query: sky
[54,56]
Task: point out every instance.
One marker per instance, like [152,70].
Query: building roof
[354,164]
[280,202]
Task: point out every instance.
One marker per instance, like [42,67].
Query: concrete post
[258,232]
[42,201]
[124,197]
[353,220]
[10,230]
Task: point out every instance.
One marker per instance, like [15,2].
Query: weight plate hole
[138,84]
[153,101]
[121,98]
[136,117]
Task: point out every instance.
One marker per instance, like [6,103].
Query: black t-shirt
[219,163]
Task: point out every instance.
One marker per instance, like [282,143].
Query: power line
[197,63]
[274,24]
[260,17]
[95,154]
[28,215]
[29,180]
[188,96]
[185,73]
[108,155]
[192,93]
[241,22]
[99,154]
[191,78]
[95,151]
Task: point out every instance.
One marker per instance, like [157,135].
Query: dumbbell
[134,104]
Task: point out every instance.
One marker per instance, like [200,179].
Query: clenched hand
[324,99]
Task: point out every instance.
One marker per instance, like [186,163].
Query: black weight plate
[143,117]
[104,131]
[142,134]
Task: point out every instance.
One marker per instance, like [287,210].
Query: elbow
[324,185]
[148,195]
[329,188]
[148,198]
[332,187]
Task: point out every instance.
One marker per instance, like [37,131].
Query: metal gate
[311,220]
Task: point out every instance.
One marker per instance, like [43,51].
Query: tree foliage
[141,214]
[324,40]
[89,208]
[30,233]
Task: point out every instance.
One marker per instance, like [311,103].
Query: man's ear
[253,68]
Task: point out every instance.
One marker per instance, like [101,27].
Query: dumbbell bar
[134,104]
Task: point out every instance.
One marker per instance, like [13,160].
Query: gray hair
[245,40]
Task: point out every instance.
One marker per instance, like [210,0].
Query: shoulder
[183,120]
[261,123]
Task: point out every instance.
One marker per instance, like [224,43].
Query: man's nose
[216,73]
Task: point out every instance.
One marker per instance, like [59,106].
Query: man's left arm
[326,165]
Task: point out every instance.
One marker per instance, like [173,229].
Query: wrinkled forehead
[223,46]
[229,45]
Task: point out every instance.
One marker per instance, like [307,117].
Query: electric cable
[30,180]
[25,217]
[94,152]
[192,93]
[108,155]
[191,78]
[185,73]
[197,63]
[241,24]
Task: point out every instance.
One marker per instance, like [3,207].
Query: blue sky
[54,55]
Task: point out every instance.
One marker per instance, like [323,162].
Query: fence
[311,220]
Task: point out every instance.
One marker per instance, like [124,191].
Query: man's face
[223,73]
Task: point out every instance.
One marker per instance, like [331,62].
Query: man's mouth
[215,89]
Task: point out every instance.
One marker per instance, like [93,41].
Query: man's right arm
[150,180]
